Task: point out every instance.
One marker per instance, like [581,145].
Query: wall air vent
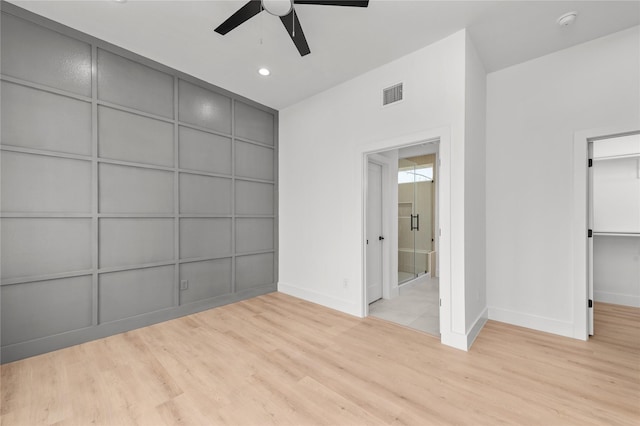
[392,94]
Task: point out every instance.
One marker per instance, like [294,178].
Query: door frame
[590,237]
[580,216]
[385,164]
[443,135]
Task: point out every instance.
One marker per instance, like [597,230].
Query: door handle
[380,238]
[417,218]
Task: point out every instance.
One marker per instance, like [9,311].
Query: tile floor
[415,307]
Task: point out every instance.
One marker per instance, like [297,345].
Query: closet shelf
[617,234]
[616,157]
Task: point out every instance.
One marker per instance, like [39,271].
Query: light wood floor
[278,360]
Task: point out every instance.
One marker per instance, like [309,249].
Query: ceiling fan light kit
[285,10]
[277,7]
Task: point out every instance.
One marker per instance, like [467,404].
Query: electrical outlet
[345,283]
[184,284]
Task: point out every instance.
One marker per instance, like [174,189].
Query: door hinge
[590,233]
[590,162]
[590,303]
[440,302]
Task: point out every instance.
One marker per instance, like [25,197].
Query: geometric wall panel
[43,308]
[206,279]
[39,246]
[128,293]
[38,183]
[204,108]
[254,271]
[204,151]
[254,198]
[254,161]
[33,118]
[131,137]
[253,123]
[131,84]
[205,238]
[126,189]
[205,194]
[140,241]
[254,234]
[119,177]
[37,54]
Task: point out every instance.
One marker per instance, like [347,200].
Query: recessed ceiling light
[567,19]
[120,1]
[264,71]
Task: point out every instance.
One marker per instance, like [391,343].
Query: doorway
[613,222]
[413,299]
[583,296]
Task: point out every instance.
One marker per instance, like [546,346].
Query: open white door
[374,236]
[590,239]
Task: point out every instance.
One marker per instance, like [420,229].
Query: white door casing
[445,216]
[590,239]
[581,251]
[374,232]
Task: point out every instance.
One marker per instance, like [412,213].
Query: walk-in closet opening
[614,222]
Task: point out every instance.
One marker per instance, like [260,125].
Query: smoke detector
[567,19]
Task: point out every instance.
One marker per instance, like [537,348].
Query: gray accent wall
[121,179]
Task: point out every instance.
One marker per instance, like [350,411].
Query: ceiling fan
[285,10]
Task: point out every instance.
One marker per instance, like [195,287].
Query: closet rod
[618,234]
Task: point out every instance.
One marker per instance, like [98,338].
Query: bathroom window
[419,174]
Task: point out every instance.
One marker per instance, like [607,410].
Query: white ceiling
[344,41]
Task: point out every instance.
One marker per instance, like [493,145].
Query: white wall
[322,142]
[475,191]
[533,111]
[616,270]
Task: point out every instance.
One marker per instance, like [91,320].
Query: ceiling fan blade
[246,12]
[352,3]
[292,24]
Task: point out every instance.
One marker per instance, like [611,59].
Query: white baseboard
[321,299]
[464,341]
[617,298]
[480,321]
[548,325]
[455,340]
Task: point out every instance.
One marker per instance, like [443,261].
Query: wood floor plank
[278,360]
